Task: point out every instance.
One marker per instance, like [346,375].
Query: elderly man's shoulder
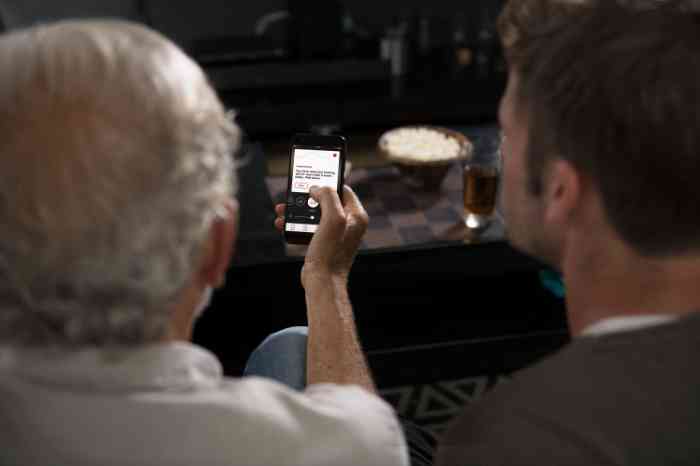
[322,423]
[260,395]
[186,410]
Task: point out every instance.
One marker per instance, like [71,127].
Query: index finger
[351,201]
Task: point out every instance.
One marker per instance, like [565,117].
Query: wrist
[313,276]
[327,296]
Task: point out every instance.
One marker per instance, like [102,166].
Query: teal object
[553,282]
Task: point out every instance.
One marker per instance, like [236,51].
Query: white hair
[115,157]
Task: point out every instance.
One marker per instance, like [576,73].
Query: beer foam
[424,144]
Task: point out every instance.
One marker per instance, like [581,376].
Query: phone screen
[310,167]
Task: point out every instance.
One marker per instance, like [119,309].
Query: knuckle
[363,218]
[339,222]
[342,221]
[326,191]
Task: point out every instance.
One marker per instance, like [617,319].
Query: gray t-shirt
[628,398]
[170,405]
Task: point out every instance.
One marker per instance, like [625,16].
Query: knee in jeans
[284,338]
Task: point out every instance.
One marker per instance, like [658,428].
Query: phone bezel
[317,142]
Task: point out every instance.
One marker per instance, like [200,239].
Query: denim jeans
[282,357]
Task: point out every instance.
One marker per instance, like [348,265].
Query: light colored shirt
[169,404]
[626,324]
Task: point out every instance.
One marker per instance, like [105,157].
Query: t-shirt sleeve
[357,427]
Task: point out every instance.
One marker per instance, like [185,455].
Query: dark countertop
[259,243]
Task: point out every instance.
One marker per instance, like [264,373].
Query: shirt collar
[626,324]
[175,366]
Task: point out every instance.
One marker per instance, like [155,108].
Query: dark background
[321,68]
[188,20]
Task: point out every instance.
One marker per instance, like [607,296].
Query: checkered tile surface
[404,216]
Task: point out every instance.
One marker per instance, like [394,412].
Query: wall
[19,13]
[377,14]
[182,20]
[187,20]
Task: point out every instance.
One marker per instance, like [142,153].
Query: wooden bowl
[426,174]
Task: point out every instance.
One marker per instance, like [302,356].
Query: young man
[601,125]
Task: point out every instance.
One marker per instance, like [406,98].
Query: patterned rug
[434,405]
[430,385]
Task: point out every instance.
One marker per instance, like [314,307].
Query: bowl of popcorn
[424,154]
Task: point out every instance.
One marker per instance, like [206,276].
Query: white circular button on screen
[313,203]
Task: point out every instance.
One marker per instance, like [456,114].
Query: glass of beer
[481,182]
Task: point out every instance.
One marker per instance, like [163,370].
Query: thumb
[333,218]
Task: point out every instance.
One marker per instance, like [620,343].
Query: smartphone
[314,160]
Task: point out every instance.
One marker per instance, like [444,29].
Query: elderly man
[118,219]
[601,120]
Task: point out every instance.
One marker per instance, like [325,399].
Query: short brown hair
[613,87]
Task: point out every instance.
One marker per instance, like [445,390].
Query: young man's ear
[562,191]
[220,246]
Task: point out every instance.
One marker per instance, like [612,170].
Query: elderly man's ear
[219,247]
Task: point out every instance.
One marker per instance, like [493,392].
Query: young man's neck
[614,281]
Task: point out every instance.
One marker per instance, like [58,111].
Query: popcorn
[422,144]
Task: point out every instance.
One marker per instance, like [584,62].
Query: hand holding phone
[333,248]
[314,161]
